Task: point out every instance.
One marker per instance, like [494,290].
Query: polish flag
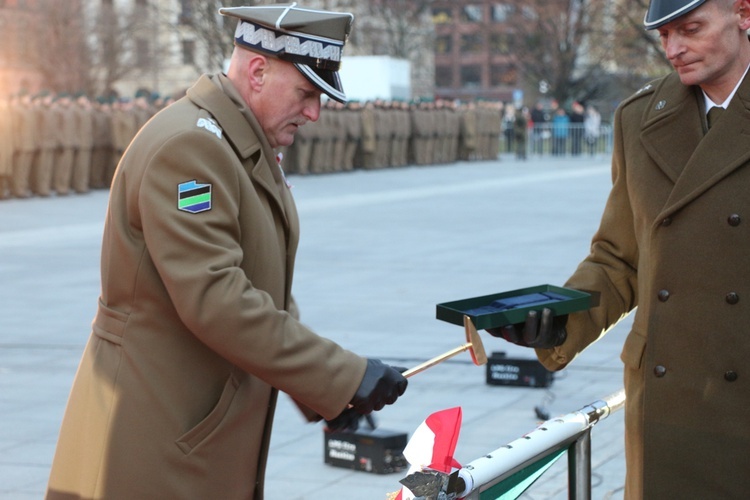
[432,445]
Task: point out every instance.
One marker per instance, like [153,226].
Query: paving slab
[379,249]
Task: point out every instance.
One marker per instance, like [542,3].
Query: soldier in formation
[69,143]
[386,134]
[63,143]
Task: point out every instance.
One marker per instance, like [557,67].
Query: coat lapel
[724,148]
[244,133]
[675,135]
[672,126]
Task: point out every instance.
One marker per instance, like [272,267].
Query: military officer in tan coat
[196,329]
[673,242]
[84,126]
[353,131]
[468,131]
[102,156]
[65,117]
[25,129]
[124,127]
[46,144]
[6,148]
[368,144]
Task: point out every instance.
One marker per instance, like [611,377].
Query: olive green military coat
[674,241]
[196,328]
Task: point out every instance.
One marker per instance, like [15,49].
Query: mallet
[473,345]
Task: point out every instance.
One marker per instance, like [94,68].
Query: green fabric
[515,485]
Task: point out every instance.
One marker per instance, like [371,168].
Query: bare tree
[214,32]
[397,27]
[549,41]
[401,29]
[639,49]
[585,49]
[62,56]
[122,44]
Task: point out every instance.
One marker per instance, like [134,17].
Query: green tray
[500,309]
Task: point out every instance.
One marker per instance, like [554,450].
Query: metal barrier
[508,471]
[564,140]
[492,475]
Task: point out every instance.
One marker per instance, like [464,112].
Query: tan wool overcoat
[674,241]
[196,329]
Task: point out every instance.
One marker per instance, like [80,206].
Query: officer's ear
[257,71]
[743,9]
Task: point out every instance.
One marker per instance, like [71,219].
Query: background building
[472,50]
[18,19]
[561,50]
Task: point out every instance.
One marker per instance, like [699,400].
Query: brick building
[472,50]
[18,19]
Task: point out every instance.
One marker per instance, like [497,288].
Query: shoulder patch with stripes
[193,197]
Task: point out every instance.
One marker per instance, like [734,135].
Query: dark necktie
[713,115]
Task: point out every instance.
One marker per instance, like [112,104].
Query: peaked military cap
[661,12]
[313,40]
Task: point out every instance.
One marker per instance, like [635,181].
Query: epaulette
[647,89]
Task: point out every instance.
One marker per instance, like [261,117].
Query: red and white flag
[432,445]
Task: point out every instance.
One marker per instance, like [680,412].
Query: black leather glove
[544,333]
[381,385]
[348,420]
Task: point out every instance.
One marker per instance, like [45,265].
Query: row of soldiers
[64,143]
[69,143]
[380,134]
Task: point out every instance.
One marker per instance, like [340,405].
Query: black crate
[370,450]
[502,370]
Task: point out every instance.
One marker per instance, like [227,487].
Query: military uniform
[321,143]
[47,144]
[673,242]
[206,429]
[468,132]
[369,142]
[84,123]
[6,148]
[418,140]
[338,137]
[67,144]
[196,329]
[102,156]
[25,129]
[300,152]
[494,129]
[353,130]
[124,128]
[383,132]
[454,130]
[403,133]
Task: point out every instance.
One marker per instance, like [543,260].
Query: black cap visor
[327,81]
[661,12]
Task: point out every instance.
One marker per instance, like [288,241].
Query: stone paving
[379,250]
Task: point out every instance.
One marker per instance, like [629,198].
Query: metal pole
[579,467]
[571,432]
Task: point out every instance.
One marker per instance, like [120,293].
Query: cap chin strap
[317,63]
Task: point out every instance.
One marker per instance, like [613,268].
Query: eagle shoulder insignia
[210,125]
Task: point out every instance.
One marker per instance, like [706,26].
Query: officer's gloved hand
[381,385]
[348,420]
[544,333]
